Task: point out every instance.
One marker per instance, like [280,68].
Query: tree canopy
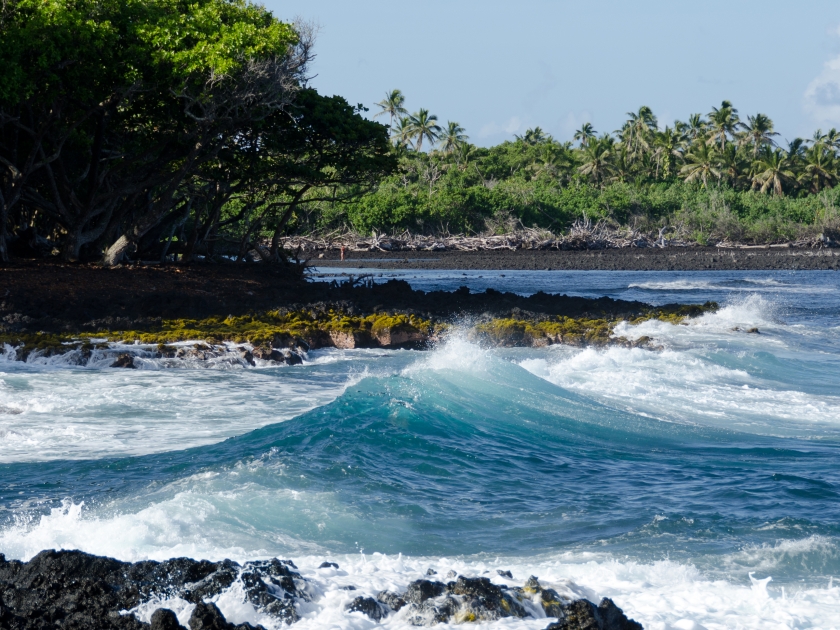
[122,118]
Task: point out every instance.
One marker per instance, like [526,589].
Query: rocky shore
[761,257]
[74,590]
[252,314]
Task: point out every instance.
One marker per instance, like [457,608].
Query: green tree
[723,122]
[393,105]
[701,164]
[423,125]
[758,131]
[596,159]
[452,137]
[773,171]
[585,133]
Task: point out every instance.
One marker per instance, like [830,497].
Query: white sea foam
[662,595]
[48,413]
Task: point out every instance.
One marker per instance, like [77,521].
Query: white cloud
[573,121]
[512,126]
[822,97]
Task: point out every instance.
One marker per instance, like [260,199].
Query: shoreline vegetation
[128,134]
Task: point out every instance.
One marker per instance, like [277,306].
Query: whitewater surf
[694,484]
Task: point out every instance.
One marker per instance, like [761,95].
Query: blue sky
[499,68]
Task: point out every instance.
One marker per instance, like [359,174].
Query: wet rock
[451,574]
[292,358]
[392,600]
[246,356]
[752,331]
[77,590]
[491,602]
[368,606]
[165,619]
[421,590]
[399,337]
[582,614]
[273,587]
[505,574]
[549,599]
[350,340]
[209,617]
[328,565]
[431,571]
[124,361]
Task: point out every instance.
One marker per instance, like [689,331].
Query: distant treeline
[718,176]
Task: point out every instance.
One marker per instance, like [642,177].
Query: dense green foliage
[131,124]
[716,178]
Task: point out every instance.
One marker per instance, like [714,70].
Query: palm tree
[637,130]
[533,136]
[758,131]
[622,166]
[453,137]
[700,164]
[585,133]
[773,171]
[596,159]
[731,164]
[695,128]
[820,169]
[667,151]
[424,126]
[401,132]
[723,121]
[393,105]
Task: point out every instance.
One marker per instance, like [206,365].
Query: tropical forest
[130,132]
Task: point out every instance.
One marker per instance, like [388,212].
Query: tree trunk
[114,254]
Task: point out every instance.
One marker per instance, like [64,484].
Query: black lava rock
[209,617]
[392,600]
[165,619]
[582,614]
[368,606]
[327,565]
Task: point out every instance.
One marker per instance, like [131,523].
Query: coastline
[618,259]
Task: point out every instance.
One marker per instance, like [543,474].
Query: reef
[286,336]
[75,590]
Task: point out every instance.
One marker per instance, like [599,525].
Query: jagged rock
[277,597]
[124,361]
[392,600]
[400,337]
[431,571]
[247,356]
[292,358]
[582,614]
[165,619]
[350,340]
[368,606]
[506,574]
[451,574]
[86,592]
[421,590]
[548,598]
[328,565]
[209,617]
[487,598]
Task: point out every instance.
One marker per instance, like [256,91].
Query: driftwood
[582,235]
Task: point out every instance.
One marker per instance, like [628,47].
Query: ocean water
[697,485]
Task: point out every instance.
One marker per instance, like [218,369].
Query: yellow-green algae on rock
[333,328]
[577,331]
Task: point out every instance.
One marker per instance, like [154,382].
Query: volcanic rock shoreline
[78,591]
[48,311]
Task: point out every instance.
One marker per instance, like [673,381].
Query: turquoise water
[675,481]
